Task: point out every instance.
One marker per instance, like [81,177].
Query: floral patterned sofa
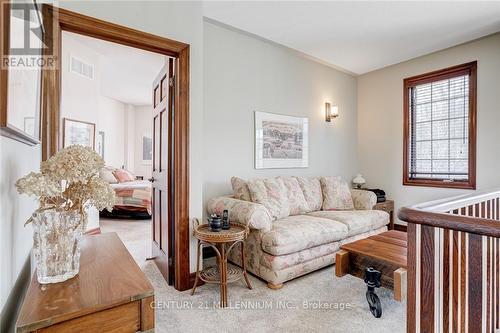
[297,224]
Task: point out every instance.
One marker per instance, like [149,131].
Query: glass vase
[56,244]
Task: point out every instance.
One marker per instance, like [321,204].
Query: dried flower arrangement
[69,181]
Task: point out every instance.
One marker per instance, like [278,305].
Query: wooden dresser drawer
[123,318]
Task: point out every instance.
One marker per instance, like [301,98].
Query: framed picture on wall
[281,141]
[99,147]
[147,149]
[76,132]
[29,124]
[20,79]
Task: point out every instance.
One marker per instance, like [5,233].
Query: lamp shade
[358,181]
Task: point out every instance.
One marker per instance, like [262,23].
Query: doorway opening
[107,104]
[168,175]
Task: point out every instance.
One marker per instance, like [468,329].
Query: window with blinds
[439,128]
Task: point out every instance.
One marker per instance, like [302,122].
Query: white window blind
[439,130]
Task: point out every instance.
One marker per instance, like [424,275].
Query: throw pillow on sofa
[240,189]
[296,200]
[272,194]
[123,175]
[336,194]
[311,188]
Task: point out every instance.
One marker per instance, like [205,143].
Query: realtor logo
[23,44]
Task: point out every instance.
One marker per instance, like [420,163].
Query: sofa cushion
[299,232]
[277,263]
[296,200]
[363,199]
[357,221]
[240,189]
[272,194]
[336,194]
[249,213]
[311,188]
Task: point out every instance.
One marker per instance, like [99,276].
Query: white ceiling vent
[79,67]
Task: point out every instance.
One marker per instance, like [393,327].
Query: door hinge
[171,81]
[170,262]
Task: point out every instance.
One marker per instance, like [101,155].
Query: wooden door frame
[57,20]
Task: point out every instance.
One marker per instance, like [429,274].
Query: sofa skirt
[279,269]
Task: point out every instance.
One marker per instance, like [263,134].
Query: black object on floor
[372,280]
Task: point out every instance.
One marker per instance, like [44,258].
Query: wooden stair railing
[453,264]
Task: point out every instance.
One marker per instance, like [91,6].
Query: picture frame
[100,144]
[29,124]
[77,132]
[20,102]
[281,141]
[147,149]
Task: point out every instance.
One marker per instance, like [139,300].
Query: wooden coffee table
[385,252]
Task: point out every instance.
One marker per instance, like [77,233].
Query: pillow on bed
[107,175]
[123,175]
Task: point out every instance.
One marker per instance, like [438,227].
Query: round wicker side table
[222,242]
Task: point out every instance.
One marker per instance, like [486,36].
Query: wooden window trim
[468,68]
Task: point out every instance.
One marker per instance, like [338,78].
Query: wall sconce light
[331,112]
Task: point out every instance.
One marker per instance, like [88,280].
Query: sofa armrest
[254,215]
[363,200]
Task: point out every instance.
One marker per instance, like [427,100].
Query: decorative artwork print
[29,125]
[100,144]
[280,141]
[147,149]
[78,133]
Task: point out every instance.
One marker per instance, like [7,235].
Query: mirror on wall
[22,46]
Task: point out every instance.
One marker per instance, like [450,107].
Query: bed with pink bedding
[133,196]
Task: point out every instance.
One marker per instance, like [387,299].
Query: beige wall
[142,126]
[244,74]
[380,119]
[82,99]
[17,160]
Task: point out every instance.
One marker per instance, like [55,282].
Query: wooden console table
[110,293]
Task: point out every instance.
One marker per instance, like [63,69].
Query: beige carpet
[135,234]
[318,302]
[295,308]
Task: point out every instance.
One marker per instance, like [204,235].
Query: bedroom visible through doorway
[107,104]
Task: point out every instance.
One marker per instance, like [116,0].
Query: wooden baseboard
[400,227]
[95,231]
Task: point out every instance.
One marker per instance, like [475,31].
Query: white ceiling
[361,36]
[127,73]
